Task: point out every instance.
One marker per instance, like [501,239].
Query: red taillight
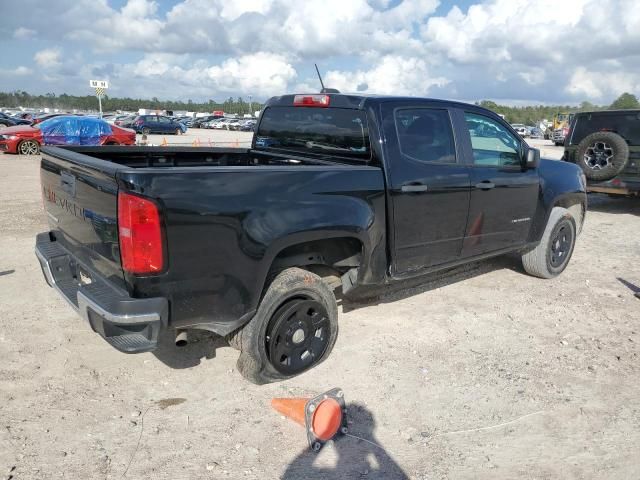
[311,101]
[139,122]
[140,234]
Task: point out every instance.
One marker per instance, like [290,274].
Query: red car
[65,130]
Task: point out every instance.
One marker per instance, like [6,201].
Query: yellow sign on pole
[100,86]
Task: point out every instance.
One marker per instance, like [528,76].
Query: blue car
[147,124]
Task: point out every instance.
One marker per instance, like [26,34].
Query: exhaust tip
[181,338]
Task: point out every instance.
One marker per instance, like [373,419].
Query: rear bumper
[130,325]
[617,186]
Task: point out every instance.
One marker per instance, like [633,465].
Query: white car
[520,129]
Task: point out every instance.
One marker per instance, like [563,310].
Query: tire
[28,147]
[178,131]
[271,334]
[146,131]
[551,256]
[602,155]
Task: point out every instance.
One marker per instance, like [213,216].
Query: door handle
[414,188]
[486,185]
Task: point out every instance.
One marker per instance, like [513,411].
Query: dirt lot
[484,372]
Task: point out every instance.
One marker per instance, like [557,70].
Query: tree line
[528,115]
[533,114]
[90,102]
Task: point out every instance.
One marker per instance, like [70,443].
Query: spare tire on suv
[602,155]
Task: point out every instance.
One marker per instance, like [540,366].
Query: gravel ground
[483,372]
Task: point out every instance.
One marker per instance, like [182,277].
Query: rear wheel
[554,251]
[178,131]
[146,131]
[294,329]
[29,147]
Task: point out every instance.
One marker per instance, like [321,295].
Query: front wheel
[294,329]
[29,147]
[554,251]
[178,131]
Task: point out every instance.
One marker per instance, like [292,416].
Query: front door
[429,187]
[504,195]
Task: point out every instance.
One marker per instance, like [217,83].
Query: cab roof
[360,101]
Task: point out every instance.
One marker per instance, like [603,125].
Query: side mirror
[533,158]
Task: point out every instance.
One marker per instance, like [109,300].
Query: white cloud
[391,75]
[260,74]
[601,83]
[48,58]
[536,50]
[16,72]
[22,33]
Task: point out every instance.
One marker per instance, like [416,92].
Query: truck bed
[226,214]
[145,157]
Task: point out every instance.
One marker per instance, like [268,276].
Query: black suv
[606,145]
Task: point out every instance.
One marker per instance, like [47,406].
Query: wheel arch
[331,256]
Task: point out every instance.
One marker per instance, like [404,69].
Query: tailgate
[80,198]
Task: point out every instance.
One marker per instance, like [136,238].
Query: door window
[493,144]
[152,119]
[164,120]
[425,134]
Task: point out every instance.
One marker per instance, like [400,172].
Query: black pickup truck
[336,191]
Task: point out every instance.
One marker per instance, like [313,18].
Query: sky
[511,51]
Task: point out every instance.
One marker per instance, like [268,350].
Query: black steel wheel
[560,245]
[293,330]
[297,334]
[551,256]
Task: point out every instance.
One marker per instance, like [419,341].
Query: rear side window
[330,131]
[426,135]
[625,124]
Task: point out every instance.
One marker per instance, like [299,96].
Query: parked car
[520,129]
[247,126]
[125,121]
[47,116]
[147,124]
[7,121]
[63,130]
[536,132]
[197,122]
[251,243]
[606,145]
[233,124]
[224,123]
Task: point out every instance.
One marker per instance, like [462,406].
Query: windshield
[330,131]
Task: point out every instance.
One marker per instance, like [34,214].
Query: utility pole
[250,109]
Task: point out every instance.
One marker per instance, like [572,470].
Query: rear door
[428,184]
[165,125]
[504,195]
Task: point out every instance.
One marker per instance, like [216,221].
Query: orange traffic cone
[164,142]
[323,416]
